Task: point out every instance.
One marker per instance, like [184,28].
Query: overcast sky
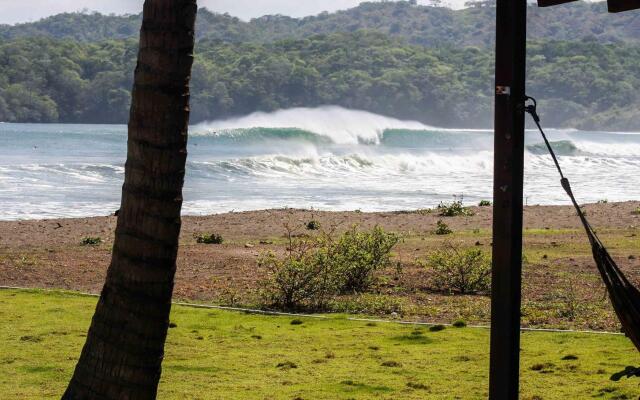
[12,11]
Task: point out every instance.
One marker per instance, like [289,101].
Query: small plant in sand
[636,211]
[91,241]
[209,238]
[603,201]
[459,271]
[571,303]
[313,225]
[453,209]
[442,228]
[484,203]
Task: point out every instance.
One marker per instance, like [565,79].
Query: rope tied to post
[624,296]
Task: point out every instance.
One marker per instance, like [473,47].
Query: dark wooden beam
[508,190]
[549,3]
[616,6]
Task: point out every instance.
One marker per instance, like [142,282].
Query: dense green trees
[426,63]
[423,25]
[584,84]
[44,80]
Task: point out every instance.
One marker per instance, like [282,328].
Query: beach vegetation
[454,209]
[313,225]
[462,271]
[209,238]
[357,255]
[90,241]
[484,203]
[442,228]
[316,268]
[459,324]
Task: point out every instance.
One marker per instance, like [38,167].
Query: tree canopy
[75,74]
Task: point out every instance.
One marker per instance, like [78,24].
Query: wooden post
[508,193]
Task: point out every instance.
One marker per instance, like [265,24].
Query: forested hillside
[426,63]
[423,25]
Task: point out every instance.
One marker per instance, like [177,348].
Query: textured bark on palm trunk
[122,356]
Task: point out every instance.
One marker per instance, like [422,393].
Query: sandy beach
[558,274]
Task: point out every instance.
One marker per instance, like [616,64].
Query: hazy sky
[12,11]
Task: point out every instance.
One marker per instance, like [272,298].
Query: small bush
[209,238]
[91,241]
[603,201]
[453,209]
[484,203]
[636,211]
[437,328]
[459,324]
[442,229]
[459,271]
[357,255]
[316,268]
[297,280]
[313,225]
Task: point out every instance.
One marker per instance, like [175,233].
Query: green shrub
[298,280]
[442,229]
[316,268]
[90,241]
[209,238]
[459,324]
[313,225]
[436,328]
[603,201]
[460,271]
[636,211]
[357,255]
[453,209]
[484,203]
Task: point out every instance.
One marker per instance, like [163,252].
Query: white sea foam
[340,125]
[332,159]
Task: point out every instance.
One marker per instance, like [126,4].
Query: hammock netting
[624,296]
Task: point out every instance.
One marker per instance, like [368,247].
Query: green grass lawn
[214,354]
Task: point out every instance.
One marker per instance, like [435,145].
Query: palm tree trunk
[122,356]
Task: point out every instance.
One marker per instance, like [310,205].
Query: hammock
[625,298]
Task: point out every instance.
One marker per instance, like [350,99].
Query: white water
[327,158]
[340,125]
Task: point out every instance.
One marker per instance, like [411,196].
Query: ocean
[326,158]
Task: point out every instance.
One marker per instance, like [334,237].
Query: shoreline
[559,273]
